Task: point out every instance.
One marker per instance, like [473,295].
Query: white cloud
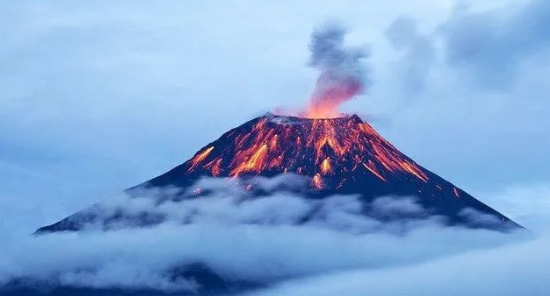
[245,252]
[519,269]
[241,238]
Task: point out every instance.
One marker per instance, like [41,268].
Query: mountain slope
[339,156]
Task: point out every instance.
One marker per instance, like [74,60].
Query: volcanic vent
[338,156]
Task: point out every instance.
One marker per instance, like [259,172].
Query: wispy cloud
[491,46]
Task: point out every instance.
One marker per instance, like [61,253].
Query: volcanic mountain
[342,155]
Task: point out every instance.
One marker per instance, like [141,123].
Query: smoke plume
[342,75]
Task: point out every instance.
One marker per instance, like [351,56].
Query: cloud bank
[520,269]
[259,241]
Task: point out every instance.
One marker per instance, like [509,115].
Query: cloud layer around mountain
[265,240]
[518,269]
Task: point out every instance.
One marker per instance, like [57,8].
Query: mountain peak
[332,147]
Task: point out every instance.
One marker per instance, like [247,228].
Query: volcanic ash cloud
[342,75]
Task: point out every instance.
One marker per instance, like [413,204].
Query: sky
[97,96]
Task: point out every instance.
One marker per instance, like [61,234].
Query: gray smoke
[342,74]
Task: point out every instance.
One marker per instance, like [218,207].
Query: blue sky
[98,96]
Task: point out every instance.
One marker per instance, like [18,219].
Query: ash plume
[342,74]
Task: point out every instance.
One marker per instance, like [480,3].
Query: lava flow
[318,148]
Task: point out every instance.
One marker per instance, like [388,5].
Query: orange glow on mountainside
[200,157]
[317,182]
[317,148]
[325,166]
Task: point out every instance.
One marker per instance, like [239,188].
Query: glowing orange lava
[252,163]
[372,169]
[317,182]
[455,191]
[200,157]
[325,166]
[318,148]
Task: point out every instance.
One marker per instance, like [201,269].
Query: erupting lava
[312,147]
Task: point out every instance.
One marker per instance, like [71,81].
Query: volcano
[338,156]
